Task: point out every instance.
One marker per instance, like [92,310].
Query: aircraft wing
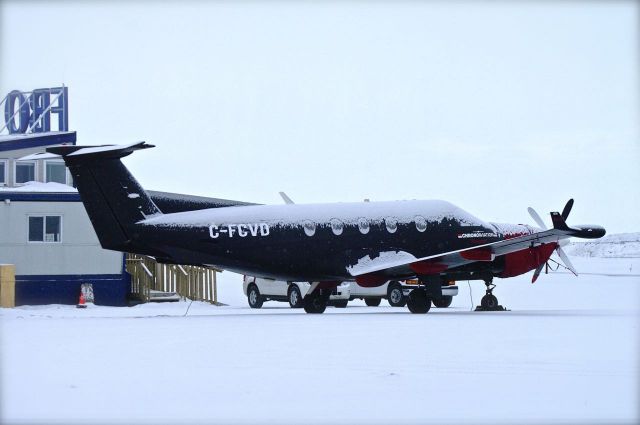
[399,263]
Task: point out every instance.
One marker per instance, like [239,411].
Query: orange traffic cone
[81,303]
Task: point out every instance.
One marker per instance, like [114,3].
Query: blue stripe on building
[46,139]
[108,289]
[40,196]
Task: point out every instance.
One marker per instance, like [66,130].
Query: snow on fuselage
[294,214]
[316,241]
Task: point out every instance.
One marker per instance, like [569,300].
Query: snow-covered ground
[568,351]
[621,245]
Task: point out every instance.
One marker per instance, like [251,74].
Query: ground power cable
[470,295]
[188,307]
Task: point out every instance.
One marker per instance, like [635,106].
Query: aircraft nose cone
[590,231]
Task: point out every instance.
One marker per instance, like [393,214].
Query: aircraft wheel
[443,302]
[295,299]
[395,296]
[418,301]
[489,302]
[372,302]
[341,303]
[254,297]
[314,303]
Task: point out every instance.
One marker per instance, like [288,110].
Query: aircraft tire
[314,303]
[418,301]
[254,297]
[395,296]
[489,302]
[443,302]
[341,303]
[295,298]
[372,302]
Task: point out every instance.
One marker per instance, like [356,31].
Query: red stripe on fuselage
[428,267]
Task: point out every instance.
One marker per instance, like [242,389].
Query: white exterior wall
[78,253]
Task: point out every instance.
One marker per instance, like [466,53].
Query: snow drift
[622,245]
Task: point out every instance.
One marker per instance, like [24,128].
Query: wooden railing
[192,282]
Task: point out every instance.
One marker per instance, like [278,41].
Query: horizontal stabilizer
[95,152]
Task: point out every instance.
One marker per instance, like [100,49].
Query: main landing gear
[317,301]
[418,301]
[489,302]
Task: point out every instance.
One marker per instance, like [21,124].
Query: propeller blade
[567,209]
[537,273]
[566,261]
[534,215]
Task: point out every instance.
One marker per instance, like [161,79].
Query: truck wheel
[443,302]
[372,302]
[254,297]
[295,299]
[395,296]
[418,301]
[341,303]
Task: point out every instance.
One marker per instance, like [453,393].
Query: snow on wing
[454,259]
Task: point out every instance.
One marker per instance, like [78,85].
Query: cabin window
[309,227]
[337,227]
[45,228]
[392,224]
[421,223]
[25,172]
[3,172]
[55,171]
[363,226]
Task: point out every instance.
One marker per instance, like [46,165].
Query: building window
[45,228]
[336,226]
[3,172]
[392,224]
[55,171]
[363,225]
[25,172]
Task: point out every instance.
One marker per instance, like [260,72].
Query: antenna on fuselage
[285,198]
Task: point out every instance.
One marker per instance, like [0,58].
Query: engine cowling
[520,262]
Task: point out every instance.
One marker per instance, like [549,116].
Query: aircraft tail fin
[113,198]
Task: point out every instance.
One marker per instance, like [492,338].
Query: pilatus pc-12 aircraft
[324,244]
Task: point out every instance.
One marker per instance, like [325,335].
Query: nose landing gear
[490,302]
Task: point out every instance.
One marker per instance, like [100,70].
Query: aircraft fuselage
[313,242]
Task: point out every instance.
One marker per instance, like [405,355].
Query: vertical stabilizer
[113,198]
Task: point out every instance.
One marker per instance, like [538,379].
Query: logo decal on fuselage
[240,229]
[477,235]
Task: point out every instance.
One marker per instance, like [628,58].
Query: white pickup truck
[396,293]
[259,290]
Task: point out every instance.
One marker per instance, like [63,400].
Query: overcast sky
[492,106]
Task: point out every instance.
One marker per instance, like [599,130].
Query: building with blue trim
[46,233]
[44,229]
